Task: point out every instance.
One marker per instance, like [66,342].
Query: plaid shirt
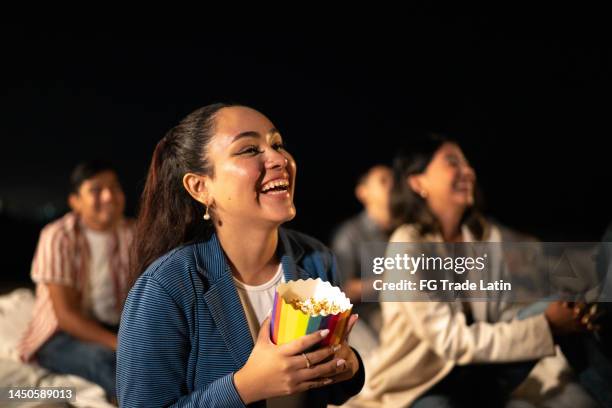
[62,257]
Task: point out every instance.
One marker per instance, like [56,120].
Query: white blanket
[15,310]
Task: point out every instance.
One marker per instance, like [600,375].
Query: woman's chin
[280,217]
[466,201]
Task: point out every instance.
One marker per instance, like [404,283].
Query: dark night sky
[531,113]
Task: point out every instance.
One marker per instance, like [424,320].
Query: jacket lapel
[227,312]
[223,301]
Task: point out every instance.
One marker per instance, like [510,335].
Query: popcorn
[314,307]
[304,306]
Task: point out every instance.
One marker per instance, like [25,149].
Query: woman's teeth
[275,186]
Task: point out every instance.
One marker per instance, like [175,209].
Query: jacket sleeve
[152,353]
[449,335]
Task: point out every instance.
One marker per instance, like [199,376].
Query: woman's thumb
[264,330]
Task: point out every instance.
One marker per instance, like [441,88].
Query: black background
[531,113]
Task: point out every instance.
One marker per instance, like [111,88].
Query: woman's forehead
[235,120]
[449,149]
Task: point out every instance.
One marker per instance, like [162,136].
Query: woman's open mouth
[273,187]
[463,186]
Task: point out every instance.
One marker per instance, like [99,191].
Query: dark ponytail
[168,216]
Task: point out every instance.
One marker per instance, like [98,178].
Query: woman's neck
[250,252]
[450,221]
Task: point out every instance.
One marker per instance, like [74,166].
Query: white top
[257,301]
[101,290]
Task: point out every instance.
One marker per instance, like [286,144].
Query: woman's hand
[345,353]
[273,371]
[565,318]
[588,315]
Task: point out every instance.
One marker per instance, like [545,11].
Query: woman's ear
[415,183]
[418,184]
[197,186]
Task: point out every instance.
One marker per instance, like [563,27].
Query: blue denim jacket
[183,330]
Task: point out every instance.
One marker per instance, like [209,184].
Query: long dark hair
[168,216]
[408,207]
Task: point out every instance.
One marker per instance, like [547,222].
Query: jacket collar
[211,261]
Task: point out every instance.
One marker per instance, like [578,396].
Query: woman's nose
[468,171]
[276,159]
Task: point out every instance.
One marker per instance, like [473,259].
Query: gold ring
[307,360]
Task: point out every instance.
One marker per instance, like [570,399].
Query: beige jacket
[421,342]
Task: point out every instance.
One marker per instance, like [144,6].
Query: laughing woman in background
[450,354]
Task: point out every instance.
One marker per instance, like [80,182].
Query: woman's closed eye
[252,150]
[453,161]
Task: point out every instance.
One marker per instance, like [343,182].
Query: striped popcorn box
[305,306]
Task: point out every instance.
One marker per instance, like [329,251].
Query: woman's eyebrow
[252,133]
[249,133]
